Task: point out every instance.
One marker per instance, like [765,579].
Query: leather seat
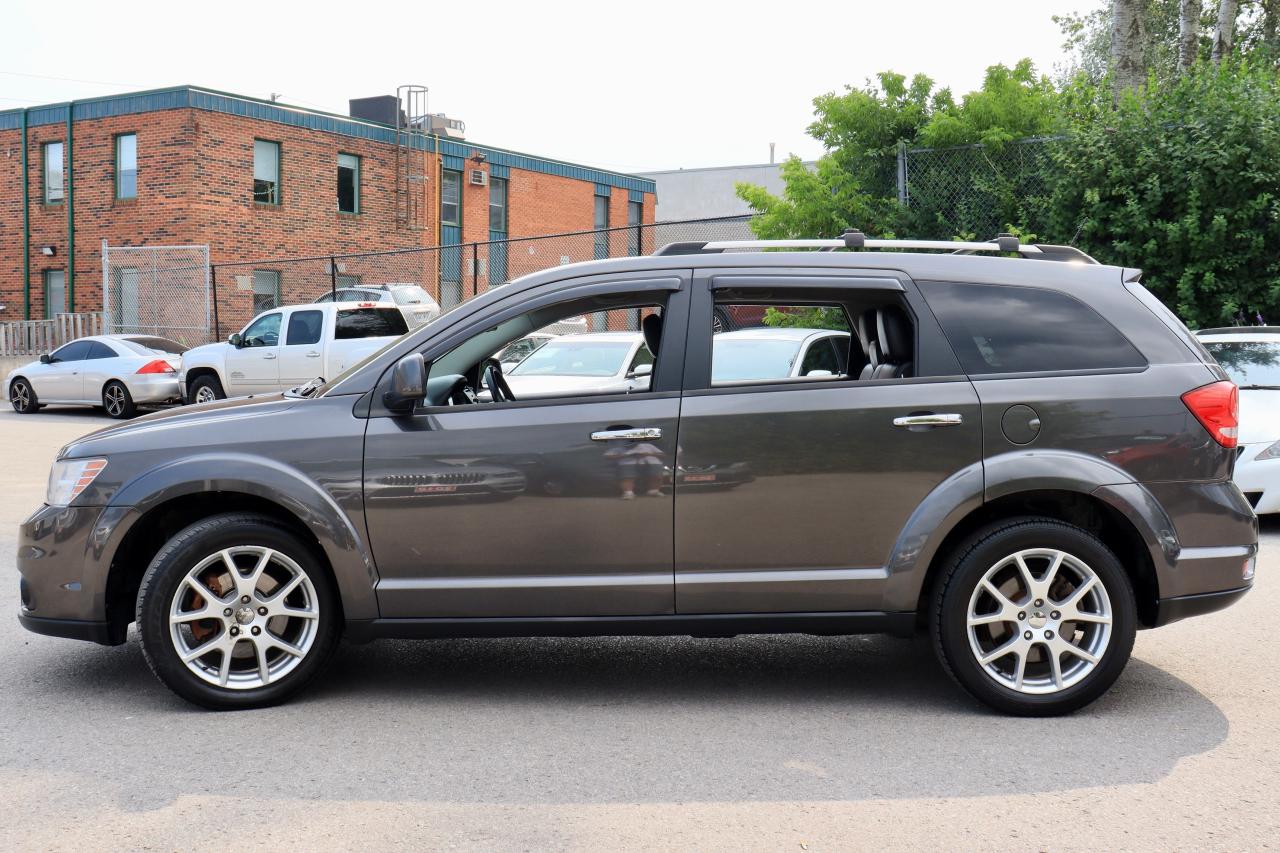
[651,328]
[896,341]
[867,331]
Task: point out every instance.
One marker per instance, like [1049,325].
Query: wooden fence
[35,337]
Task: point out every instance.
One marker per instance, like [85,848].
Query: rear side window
[369,323]
[304,327]
[1005,329]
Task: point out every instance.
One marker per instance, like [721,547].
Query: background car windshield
[147,346]
[575,358]
[746,359]
[1248,362]
[410,296]
[369,323]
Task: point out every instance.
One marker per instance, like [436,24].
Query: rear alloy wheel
[1036,617]
[117,401]
[236,612]
[23,397]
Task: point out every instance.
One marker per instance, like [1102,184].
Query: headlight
[1272,452]
[69,477]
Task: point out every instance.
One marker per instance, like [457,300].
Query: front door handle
[929,419]
[641,434]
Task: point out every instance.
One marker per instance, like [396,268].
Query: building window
[266,290]
[266,172]
[498,204]
[451,198]
[52,172]
[601,223]
[635,215]
[348,183]
[55,293]
[127,165]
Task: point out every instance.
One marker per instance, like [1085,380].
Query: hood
[537,386]
[1259,416]
[235,409]
[205,348]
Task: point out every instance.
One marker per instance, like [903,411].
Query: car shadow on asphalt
[616,720]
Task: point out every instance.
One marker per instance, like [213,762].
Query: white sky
[621,85]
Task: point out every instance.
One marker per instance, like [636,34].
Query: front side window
[348,183]
[127,166]
[74,351]
[498,205]
[55,292]
[263,332]
[451,198]
[304,327]
[1009,329]
[266,290]
[53,173]
[266,172]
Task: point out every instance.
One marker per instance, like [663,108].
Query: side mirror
[45,359]
[236,341]
[641,370]
[408,383]
[819,373]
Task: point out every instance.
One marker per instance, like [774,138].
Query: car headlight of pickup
[68,478]
[1272,452]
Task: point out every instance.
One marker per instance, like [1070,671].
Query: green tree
[1013,103]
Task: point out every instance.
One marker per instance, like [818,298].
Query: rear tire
[117,400]
[23,397]
[206,389]
[1034,617]
[259,652]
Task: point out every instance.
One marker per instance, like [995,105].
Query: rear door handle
[313,355]
[929,419]
[268,355]
[640,434]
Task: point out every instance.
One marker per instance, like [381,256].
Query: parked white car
[1251,357]
[767,353]
[517,351]
[593,363]
[117,372]
[415,303]
[287,347]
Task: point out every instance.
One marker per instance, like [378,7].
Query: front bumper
[1259,479]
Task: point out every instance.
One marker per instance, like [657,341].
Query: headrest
[651,327]
[894,327]
[865,328]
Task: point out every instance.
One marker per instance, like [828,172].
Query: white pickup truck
[286,347]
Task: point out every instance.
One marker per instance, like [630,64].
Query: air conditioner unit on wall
[479,178]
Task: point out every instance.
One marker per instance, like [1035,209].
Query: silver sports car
[117,372]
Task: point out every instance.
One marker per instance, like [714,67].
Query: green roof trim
[192,97]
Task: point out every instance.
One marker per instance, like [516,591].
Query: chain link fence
[449,274]
[976,190]
[158,290]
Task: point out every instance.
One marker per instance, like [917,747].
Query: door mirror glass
[641,370]
[235,340]
[819,373]
[408,383]
[45,359]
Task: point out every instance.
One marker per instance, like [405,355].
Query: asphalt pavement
[753,743]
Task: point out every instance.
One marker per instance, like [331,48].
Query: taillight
[1217,408]
[157,366]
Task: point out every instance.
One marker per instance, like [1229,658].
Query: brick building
[254,179]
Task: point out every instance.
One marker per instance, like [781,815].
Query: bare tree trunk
[1188,32]
[1225,33]
[1128,66]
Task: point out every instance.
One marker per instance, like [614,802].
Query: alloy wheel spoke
[282,593]
[264,672]
[1071,648]
[203,590]
[1055,664]
[204,649]
[251,583]
[209,611]
[1027,578]
[1003,600]
[284,645]
[1020,671]
[1000,651]
[224,670]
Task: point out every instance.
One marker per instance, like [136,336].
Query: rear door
[791,493]
[300,354]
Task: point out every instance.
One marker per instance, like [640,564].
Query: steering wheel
[496,382]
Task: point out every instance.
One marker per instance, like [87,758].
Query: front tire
[206,389]
[1034,617]
[117,401]
[237,612]
[23,397]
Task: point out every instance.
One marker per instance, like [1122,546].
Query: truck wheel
[206,389]
[117,401]
[1034,617]
[237,611]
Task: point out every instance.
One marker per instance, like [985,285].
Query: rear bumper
[158,388]
[1172,609]
[72,629]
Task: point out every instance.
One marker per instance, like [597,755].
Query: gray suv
[1020,453]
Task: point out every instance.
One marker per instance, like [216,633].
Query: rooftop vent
[380,108]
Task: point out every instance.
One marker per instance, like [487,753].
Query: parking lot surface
[754,743]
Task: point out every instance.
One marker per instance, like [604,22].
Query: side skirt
[695,625]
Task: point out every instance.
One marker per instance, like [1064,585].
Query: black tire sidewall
[171,565]
[982,551]
[207,382]
[32,403]
[128,410]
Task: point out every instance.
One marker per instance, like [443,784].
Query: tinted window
[1003,329]
[74,351]
[304,327]
[263,332]
[821,356]
[148,345]
[370,323]
[100,350]
[1248,362]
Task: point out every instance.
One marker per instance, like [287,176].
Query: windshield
[745,359]
[410,296]
[1248,362]
[575,358]
[149,345]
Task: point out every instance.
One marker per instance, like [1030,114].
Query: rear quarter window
[369,323]
[1011,329]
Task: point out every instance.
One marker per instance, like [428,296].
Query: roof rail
[855,240]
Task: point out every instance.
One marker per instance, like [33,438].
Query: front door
[791,491]
[255,365]
[555,506]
